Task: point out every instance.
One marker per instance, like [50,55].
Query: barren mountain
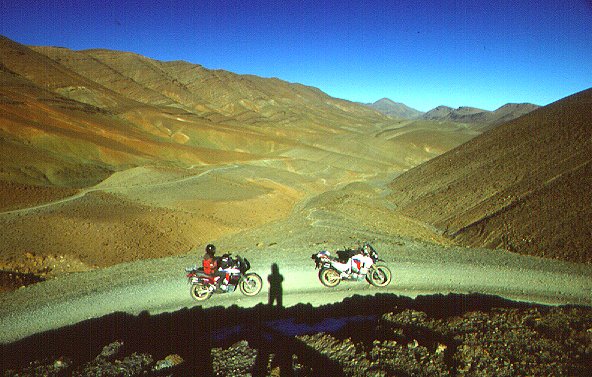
[116,170]
[110,156]
[523,186]
[438,113]
[73,118]
[490,119]
[395,109]
[470,115]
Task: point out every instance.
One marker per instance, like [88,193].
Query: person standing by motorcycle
[210,264]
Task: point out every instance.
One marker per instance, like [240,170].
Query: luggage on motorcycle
[344,255]
[225,261]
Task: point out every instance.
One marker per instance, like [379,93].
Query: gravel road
[159,285]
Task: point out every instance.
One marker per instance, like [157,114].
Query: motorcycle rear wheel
[251,284]
[200,292]
[330,277]
[380,276]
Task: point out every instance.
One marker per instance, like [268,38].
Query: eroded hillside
[111,156]
[523,186]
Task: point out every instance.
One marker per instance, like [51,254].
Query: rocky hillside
[523,186]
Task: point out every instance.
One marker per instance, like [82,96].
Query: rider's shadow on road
[275,280]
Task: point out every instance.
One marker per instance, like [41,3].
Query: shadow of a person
[275,286]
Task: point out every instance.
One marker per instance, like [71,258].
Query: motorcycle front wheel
[379,276]
[330,277]
[251,284]
[200,292]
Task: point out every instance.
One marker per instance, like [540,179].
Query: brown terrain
[158,157]
[116,170]
[524,186]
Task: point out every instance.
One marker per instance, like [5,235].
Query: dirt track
[159,285]
[327,221]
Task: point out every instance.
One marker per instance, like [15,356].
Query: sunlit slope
[137,110]
[147,212]
[216,95]
[49,138]
[110,157]
[108,77]
[73,117]
[524,186]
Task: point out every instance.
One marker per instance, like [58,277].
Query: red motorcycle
[204,285]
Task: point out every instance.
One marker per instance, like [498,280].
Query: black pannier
[344,255]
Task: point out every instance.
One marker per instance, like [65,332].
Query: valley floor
[423,263]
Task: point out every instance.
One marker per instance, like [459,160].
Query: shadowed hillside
[433,335]
[524,186]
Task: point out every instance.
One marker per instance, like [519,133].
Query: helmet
[211,249]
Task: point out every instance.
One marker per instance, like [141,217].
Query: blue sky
[422,53]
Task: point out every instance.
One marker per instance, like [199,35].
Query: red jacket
[209,265]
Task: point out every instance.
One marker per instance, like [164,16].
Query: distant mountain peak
[386,100]
[395,109]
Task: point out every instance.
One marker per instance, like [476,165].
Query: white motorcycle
[352,264]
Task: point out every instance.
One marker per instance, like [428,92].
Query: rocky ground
[414,338]
[503,342]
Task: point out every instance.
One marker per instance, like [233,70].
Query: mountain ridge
[462,114]
[182,110]
[467,114]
